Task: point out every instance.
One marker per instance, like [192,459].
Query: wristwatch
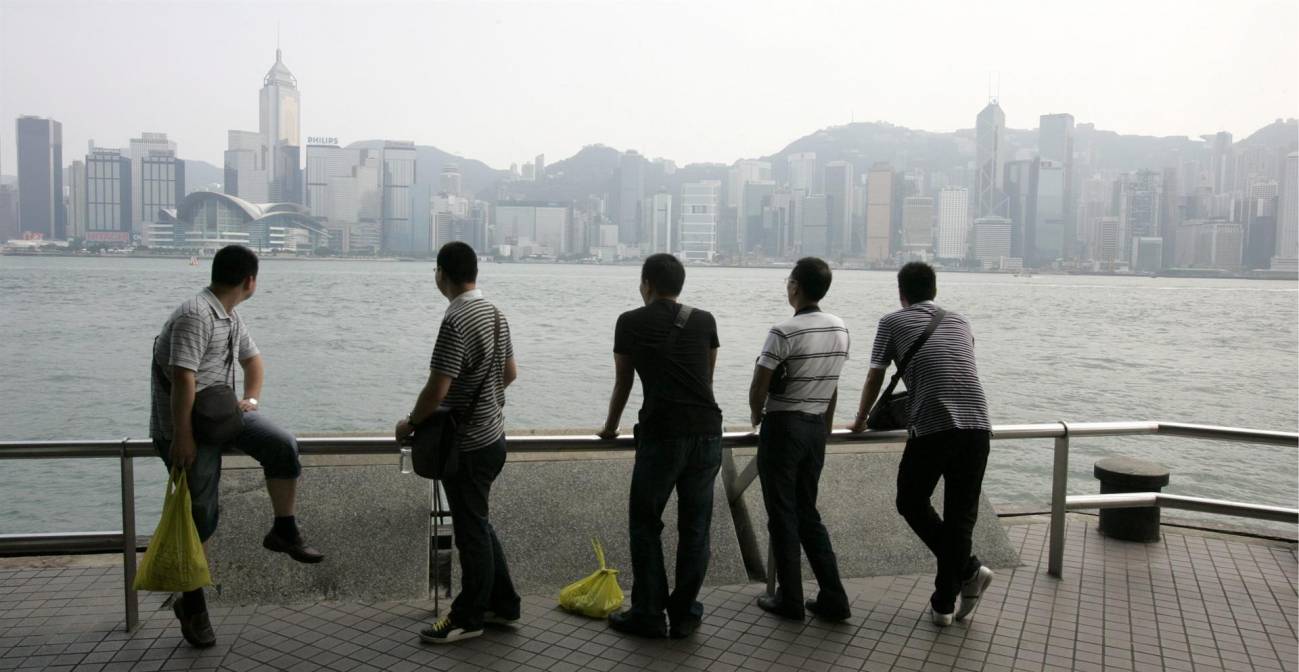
[251,401]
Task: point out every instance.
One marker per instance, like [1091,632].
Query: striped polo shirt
[942,380]
[814,346]
[466,352]
[195,337]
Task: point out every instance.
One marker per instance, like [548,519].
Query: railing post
[1059,488]
[128,539]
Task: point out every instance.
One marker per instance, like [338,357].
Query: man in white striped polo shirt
[797,381]
[949,435]
[472,364]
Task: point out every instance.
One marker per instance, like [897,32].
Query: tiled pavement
[1193,602]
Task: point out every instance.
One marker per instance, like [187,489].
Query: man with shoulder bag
[459,438]
[195,413]
[946,416]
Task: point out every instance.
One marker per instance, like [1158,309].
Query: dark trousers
[791,454]
[688,464]
[959,456]
[485,583]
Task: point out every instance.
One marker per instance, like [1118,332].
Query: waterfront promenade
[1195,601]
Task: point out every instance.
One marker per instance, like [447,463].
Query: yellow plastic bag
[598,595]
[174,561]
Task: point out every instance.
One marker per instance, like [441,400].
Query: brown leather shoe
[195,628]
[296,547]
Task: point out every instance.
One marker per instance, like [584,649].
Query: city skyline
[200,103]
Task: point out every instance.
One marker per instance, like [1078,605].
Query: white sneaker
[939,619]
[497,619]
[972,589]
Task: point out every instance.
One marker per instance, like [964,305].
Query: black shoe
[773,605]
[195,628]
[684,627]
[446,632]
[295,547]
[828,614]
[629,624]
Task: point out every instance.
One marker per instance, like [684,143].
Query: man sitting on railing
[949,434]
[673,348]
[193,358]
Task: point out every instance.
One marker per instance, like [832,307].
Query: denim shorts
[273,448]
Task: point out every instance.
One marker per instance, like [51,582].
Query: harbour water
[347,344]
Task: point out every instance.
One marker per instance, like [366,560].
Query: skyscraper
[880,190]
[141,147]
[1044,239]
[1222,162]
[699,204]
[451,182]
[815,230]
[1260,224]
[539,168]
[40,177]
[839,199]
[75,176]
[991,154]
[397,176]
[658,224]
[992,241]
[108,196]
[281,117]
[918,226]
[1287,226]
[631,190]
[245,172]
[1138,208]
[739,176]
[161,186]
[1019,193]
[1055,143]
[802,172]
[757,197]
[953,223]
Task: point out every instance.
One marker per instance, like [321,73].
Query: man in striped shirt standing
[473,359]
[949,435]
[797,380]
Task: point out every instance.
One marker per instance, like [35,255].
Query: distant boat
[193,261]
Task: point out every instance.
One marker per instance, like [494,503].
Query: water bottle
[406,462]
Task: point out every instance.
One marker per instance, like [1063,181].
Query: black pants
[959,456]
[688,464]
[485,583]
[791,454]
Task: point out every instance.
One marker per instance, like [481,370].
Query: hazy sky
[691,81]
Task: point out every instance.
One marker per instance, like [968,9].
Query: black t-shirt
[678,397]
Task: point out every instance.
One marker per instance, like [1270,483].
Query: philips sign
[321,140]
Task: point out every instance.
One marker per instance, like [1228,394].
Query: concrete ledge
[856,500]
[545,513]
[372,523]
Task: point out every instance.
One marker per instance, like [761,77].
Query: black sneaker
[826,614]
[773,605]
[684,627]
[195,628]
[500,618]
[295,547]
[629,624]
[446,632]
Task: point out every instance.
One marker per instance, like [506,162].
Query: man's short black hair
[917,282]
[232,265]
[458,262]
[664,274]
[813,277]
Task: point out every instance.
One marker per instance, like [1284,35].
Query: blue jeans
[688,464]
[485,583]
[273,448]
[791,454]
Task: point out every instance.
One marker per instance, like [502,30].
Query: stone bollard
[1126,474]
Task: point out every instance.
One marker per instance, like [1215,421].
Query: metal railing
[735,481]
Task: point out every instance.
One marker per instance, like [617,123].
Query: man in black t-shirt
[673,349]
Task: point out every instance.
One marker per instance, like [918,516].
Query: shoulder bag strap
[678,324]
[496,351]
[915,347]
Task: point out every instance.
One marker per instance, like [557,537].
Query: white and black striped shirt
[195,337]
[814,346]
[466,352]
[942,380]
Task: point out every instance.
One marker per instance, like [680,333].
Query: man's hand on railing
[858,426]
[608,434]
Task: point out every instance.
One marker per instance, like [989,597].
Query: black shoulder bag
[216,417]
[891,411]
[435,446]
[678,324]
